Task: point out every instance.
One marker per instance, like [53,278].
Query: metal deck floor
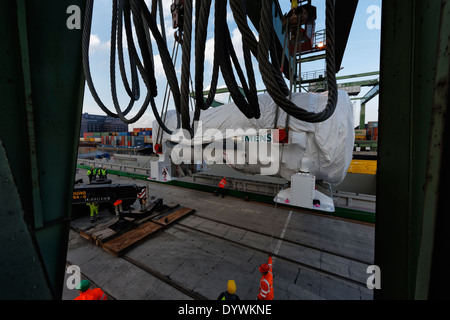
[315,257]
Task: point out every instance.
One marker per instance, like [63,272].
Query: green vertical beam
[58,88]
[26,72]
[409,46]
[362,117]
[42,87]
[435,245]
[20,263]
[364,100]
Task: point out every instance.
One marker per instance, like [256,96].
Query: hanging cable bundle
[270,70]
[122,13]
[224,49]
[185,67]
[202,10]
[249,40]
[133,93]
[265,40]
[225,59]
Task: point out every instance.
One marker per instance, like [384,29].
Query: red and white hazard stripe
[141,194]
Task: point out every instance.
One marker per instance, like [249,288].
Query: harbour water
[88,152]
[91,152]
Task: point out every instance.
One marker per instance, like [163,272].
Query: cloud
[209,51]
[166,9]
[230,17]
[96,45]
[236,39]
[159,69]
[146,121]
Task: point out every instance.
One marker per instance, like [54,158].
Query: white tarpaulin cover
[324,149]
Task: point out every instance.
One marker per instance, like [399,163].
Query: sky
[361,56]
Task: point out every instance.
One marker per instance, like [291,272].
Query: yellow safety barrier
[363,166]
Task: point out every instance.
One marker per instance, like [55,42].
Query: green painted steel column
[362,117]
[434,248]
[42,88]
[404,232]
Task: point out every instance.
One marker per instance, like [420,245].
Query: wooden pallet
[124,242]
[102,236]
[98,231]
[119,244]
[174,216]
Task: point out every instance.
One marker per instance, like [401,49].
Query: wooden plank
[85,235]
[165,213]
[89,232]
[174,216]
[121,243]
[103,235]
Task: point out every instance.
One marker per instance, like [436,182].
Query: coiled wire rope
[225,58]
[143,21]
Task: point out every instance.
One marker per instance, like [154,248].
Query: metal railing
[111,165]
[314,75]
[340,198]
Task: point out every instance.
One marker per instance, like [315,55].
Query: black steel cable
[266,31]
[134,92]
[240,16]
[161,20]
[224,50]
[202,11]
[251,96]
[138,7]
[85,54]
[185,67]
[224,58]
[169,69]
[139,12]
[147,56]
[202,15]
[113,74]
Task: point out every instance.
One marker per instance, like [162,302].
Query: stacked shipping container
[138,137]
[372,131]
[370,134]
[92,136]
[360,134]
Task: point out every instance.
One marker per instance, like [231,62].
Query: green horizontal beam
[314,58]
[366,143]
[365,83]
[359,75]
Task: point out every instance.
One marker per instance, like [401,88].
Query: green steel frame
[414,89]
[367,97]
[42,87]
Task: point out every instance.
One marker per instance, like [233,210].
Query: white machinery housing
[314,151]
